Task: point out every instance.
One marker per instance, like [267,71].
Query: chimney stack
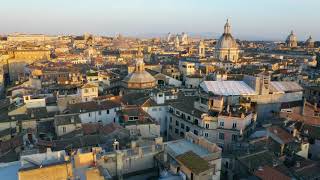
[303,106]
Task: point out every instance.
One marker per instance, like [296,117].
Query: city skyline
[267,20]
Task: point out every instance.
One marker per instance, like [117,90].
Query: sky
[250,19]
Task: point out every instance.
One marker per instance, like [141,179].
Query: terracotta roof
[308,116]
[89,86]
[134,98]
[97,128]
[66,119]
[269,173]
[285,136]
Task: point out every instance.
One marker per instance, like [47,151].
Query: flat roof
[10,170]
[182,146]
[227,88]
[193,162]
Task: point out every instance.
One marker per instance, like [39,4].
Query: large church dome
[227,48]
[292,40]
[226,41]
[292,37]
[140,78]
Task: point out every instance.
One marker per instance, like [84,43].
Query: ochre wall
[61,171]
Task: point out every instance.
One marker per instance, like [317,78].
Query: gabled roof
[286,86]
[269,173]
[282,134]
[66,119]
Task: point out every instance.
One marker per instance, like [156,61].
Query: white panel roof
[227,88]
[286,86]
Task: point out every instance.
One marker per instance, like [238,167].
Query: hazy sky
[250,19]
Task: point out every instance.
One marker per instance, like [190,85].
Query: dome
[292,37]
[139,77]
[309,40]
[226,41]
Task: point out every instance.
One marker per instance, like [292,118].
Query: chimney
[242,115]
[274,163]
[115,145]
[32,114]
[294,134]
[303,106]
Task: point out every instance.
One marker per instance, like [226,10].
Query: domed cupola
[140,78]
[292,40]
[227,47]
[309,42]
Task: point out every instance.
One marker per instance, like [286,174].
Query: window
[234,125]
[170,119]
[187,128]
[176,131]
[170,127]
[183,116]
[189,118]
[99,113]
[182,134]
[195,132]
[177,123]
[222,123]
[221,136]
[206,134]
[133,118]
[234,137]
[108,111]
[196,122]
[182,126]
[89,114]
[207,126]
[64,129]
[177,112]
